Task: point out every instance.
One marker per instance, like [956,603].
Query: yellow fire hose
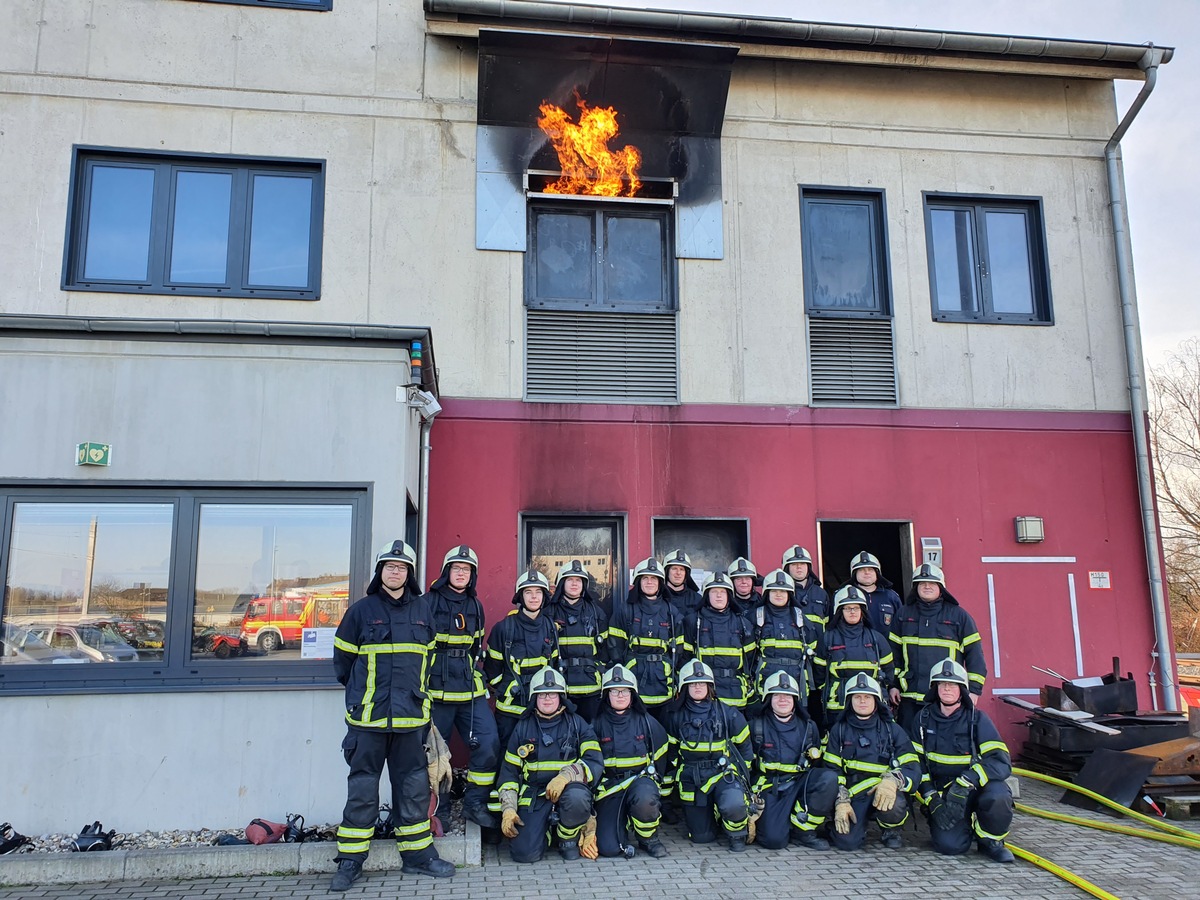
[1168,838]
[1065,874]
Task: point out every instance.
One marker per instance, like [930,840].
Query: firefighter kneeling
[966,765]
[545,781]
[786,747]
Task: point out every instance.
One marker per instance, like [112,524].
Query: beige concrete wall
[392,112]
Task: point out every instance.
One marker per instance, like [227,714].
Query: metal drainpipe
[423,512]
[1137,380]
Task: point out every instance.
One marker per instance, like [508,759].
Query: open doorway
[890,542]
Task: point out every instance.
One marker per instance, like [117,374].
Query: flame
[588,166]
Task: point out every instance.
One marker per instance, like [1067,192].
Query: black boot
[435,866]
[569,849]
[812,841]
[348,872]
[653,846]
[891,838]
[479,814]
[737,842]
[995,851]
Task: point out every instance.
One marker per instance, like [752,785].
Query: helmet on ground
[781,683]
[695,672]
[618,677]
[929,572]
[950,671]
[574,569]
[397,551]
[864,560]
[463,554]
[547,680]
[779,580]
[716,580]
[678,558]
[532,578]
[796,554]
[862,683]
[649,566]
[741,566]
[847,596]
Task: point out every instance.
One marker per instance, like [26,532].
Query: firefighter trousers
[728,801]
[574,807]
[803,803]
[476,726]
[992,809]
[863,812]
[403,752]
[636,808]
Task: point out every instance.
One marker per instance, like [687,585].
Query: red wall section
[958,475]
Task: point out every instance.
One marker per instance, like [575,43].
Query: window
[175,587]
[600,258]
[550,542]
[286,4]
[201,226]
[711,544]
[845,268]
[987,260]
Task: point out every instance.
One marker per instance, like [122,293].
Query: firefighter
[718,636]
[713,775]
[520,644]
[785,640]
[796,791]
[876,767]
[637,754]
[930,626]
[582,636]
[744,577]
[682,592]
[381,657]
[456,685]
[849,646]
[811,598]
[883,603]
[646,636]
[965,764]
[550,766]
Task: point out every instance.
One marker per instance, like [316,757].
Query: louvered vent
[598,357]
[851,361]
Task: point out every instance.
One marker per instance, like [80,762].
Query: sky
[1162,178]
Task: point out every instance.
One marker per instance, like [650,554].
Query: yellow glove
[555,788]
[884,797]
[509,822]
[843,812]
[756,810]
[587,840]
[437,759]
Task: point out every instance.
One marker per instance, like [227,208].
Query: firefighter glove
[757,805]
[509,823]
[884,797]
[437,760]
[567,774]
[953,808]
[843,812]
[587,839]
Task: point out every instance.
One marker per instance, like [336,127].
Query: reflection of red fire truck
[274,622]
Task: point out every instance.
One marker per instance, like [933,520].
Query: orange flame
[588,166]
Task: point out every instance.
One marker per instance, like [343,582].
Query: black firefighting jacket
[965,743]
[724,641]
[454,675]
[517,647]
[540,747]
[646,635]
[582,642]
[924,634]
[862,750]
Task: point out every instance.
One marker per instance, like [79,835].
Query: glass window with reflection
[551,542]
[845,258]
[272,580]
[203,226]
[87,583]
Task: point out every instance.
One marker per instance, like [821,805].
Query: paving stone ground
[1128,867]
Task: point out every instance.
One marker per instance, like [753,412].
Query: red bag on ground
[260,831]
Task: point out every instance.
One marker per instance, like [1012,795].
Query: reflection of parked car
[19,645]
[100,641]
[208,640]
[144,635]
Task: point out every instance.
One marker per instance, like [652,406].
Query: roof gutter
[765,30]
[1135,369]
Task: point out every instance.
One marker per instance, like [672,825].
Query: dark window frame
[313,5]
[875,201]
[600,212]
[978,206]
[178,672]
[618,521]
[166,166]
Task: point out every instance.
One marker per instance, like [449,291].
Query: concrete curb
[215,862]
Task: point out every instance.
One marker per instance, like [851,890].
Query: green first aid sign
[91,453]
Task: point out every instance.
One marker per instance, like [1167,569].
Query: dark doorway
[890,542]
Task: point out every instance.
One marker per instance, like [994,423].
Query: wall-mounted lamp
[1030,529]
[424,403]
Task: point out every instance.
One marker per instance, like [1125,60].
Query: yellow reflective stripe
[949,759]
[413,829]
[975,678]
[986,835]
[353,846]
[866,784]
[782,642]
[419,844]
[482,778]
[618,633]
[983,776]
[421,649]
[970,639]
[860,765]
[702,746]
[576,641]
[508,786]
[742,736]
[369,693]
[992,746]
[625,762]
[345,645]
[457,640]
[349,832]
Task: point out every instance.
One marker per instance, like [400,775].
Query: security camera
[424,403]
